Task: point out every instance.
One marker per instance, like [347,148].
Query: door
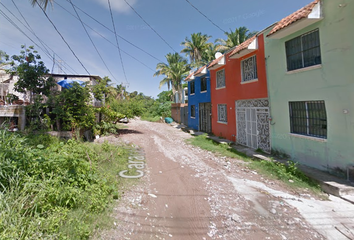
[205,117]
[251,127]
[252,124]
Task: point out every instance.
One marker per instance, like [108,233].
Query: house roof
[189,76]
[200,70]
[292,18]
[216,61]
[243,45]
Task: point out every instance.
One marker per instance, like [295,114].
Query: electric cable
[62,37]
[108,29]
[149,25]
[115,33]
[204,16]
[92,42]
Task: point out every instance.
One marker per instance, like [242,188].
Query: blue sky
[173,20]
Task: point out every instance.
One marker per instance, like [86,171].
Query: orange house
[239,95]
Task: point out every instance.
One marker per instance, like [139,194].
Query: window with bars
[222,113]
[308,118]
[220,78]
[192,85]
[249,69]
[193,111]
[303,51]
[203,84]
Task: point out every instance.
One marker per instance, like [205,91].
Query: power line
[30,29]
[45,46]
[149,25]
[108,30]
[63,38]
[18,28]
[204,16]
[92,41]
[108,39]
[115,33]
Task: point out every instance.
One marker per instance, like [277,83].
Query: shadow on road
[128,131]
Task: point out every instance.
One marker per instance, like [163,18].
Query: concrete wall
[196,98]
[176,111]
[332,81]
[14,111]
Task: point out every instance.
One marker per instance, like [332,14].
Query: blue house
[199,100]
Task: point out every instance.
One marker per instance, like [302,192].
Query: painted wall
[236,90]
[196,98]
[332,82]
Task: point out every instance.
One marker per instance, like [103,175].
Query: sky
[141,47]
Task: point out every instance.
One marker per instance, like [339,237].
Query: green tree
[73,107]
[174,71]
[3,60]
[209,54]
[101,89]
[235,38]
[165,96]
[32,73]
[195,47]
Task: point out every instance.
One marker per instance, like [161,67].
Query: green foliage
[101,89]
[174,71]
[73,107]
[50,189]
[206,143]
[106,128]
[109,115]
[31,72]
[34,115]
[11,97]
[165,96]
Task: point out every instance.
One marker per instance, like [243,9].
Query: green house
[310,68]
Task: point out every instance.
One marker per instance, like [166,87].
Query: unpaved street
[188,193]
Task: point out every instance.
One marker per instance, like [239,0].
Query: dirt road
[188,193]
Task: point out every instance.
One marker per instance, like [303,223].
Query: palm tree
[195,47]
[235,38]
[174,71]
[43,3]
[209,54]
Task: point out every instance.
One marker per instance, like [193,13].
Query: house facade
[311,85]
[240,106]
[199,106]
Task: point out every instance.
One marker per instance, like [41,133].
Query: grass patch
[55,189]
[287,173]
[150,118]
[271,169]
[208,144]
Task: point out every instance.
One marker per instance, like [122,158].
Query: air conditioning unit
[350,173]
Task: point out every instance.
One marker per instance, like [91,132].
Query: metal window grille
[220,78]
[222,113]
[249,69]
[192,110]
[203,84]
[303,51]
[192,85]
[308,118]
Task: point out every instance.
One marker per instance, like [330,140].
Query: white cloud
[118,5]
